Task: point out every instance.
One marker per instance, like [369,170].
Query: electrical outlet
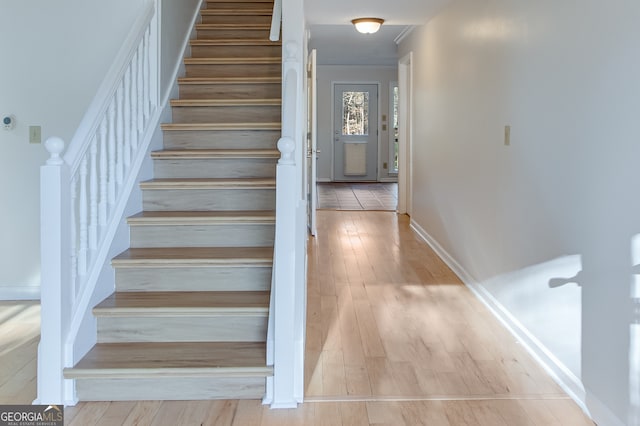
[35,134]
[384,165]
[507,135]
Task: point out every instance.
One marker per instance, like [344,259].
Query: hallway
[388,321]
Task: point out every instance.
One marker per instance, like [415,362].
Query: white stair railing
[84,193]
[285,337]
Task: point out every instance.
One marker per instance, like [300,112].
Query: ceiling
[338,43]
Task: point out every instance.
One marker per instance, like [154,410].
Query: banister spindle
[82,207]
[119,138]
[112,156]
[140,90]
[93,195]
[134,101]
[127,107]
[147,75]
[102,206]
[120,107]
[73,245]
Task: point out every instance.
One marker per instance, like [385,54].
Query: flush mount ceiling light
[367,25]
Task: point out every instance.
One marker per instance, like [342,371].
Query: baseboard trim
[323,180]
[569,383]
[388,179]
[20,293]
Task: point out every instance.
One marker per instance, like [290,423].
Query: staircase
[189,316]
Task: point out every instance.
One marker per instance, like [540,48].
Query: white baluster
[121,126]
[134,101]
[126,142]
[102,206]
[140,90]
[147,79]
[82,207]
[127,108]
[93,195]
[74,236]
[119,161]
[112,155]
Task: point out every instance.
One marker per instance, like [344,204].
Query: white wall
[327,74]
[55,55]
[564,196]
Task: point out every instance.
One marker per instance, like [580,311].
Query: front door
[355,150]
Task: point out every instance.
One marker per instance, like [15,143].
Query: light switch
[384,117]
[507,135]
[35,134]
[384,127]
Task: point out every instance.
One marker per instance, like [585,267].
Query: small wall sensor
[8,122]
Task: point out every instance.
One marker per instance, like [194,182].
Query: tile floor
[357,196]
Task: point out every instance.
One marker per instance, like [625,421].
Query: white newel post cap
[286,146]
[55,146]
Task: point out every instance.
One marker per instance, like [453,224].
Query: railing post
[55,209]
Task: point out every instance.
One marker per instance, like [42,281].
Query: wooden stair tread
[185,303]
[233,61]
[224,102]
[203,183]
[114,360]
[242,26]
[219,126]
[201,217]
[232,256]
[236,12]
[214,153]
[233,42]
[229,80]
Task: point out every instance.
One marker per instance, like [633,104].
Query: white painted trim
[19,292]
[404,34]
[390,179]
[571,384]
[390,138]
[405,134]
[324,180]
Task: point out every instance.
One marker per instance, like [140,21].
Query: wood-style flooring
[393,338]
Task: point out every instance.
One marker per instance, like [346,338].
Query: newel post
[55,273]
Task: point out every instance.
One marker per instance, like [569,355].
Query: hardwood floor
[19,337]
[393,338]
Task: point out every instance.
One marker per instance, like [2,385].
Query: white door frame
[333,121]
[405,134]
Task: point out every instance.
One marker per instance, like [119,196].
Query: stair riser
[229,51]
[202,236]
[227,328]
[236,19]
[209,199]
[231,91]
[170,388]
[231,33]
[215,168]
[221,139]
[226,114]
[216,278]
[233,70]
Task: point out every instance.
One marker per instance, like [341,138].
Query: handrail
[84,193]
[276,21]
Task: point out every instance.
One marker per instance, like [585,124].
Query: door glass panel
[355,113]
